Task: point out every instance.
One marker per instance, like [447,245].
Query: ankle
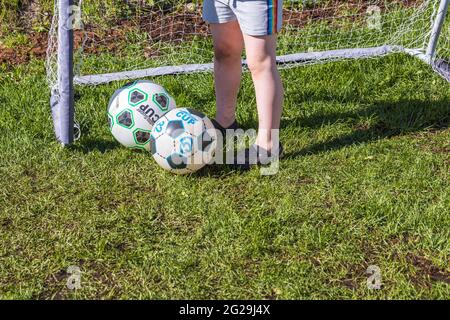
[268,144]
[264,144]
[225,121]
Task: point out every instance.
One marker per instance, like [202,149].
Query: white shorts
[255,17]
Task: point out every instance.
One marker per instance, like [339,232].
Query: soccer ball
[134,109]
[183,141]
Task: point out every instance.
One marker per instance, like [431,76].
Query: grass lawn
[365,182]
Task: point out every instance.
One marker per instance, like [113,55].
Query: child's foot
[257,156]
[223,131]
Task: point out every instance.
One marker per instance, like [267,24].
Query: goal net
[112,40]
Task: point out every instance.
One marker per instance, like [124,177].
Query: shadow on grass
[216,171]
[90,145]
[387,120]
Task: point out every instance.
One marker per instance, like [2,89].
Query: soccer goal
[95,42]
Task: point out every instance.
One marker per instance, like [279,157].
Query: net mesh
[115,36]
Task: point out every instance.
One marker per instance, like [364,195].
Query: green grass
[365,182]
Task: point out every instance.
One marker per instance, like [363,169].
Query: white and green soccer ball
[133,111]
[183,141]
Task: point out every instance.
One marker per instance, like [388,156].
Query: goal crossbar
[284,60]
[439,66]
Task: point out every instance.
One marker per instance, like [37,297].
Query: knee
[258,64]
[226,51]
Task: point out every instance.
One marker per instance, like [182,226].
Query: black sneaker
[223,131]
[256,156]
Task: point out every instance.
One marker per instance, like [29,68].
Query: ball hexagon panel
[175,128]
[177,161]
[141,136]
[125,119]
[136,97]
[162,100]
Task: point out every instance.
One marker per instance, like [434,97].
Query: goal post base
[64,126]
[443,68]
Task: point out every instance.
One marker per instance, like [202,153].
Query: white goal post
[90,43]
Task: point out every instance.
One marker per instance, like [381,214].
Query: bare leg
[261,58]
[228,47]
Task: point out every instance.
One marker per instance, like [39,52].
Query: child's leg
[261,58]
[228,47]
